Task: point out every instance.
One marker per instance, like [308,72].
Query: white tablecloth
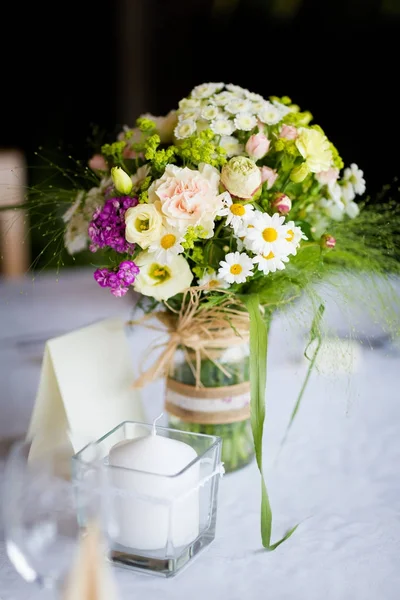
[338,473]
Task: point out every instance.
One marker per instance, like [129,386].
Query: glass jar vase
[221,406]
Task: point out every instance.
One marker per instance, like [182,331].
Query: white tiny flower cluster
[339,200]
[225,111]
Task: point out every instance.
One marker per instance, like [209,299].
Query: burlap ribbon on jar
[202,331]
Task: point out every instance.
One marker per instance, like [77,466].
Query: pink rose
[329,176]
[188,197]
[269,175]
[288,132]
[257,146]
[98,163]
[282,204]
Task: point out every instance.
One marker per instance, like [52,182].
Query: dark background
[69,67]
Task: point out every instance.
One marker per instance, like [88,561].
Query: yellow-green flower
[122,181]
[315,149]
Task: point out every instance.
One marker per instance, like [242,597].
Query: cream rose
[188,197]
[314,148]
[241,177]
[143,224]
[159,280]
[164,125]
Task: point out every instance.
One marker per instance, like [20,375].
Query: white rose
[241,177]
[159,280]
[189,197]
[143,224]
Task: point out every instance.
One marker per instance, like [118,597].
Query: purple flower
[119,292]
[119,279]
[101,276]
[107,228]
[127,271]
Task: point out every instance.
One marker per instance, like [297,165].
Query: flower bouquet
[219,214]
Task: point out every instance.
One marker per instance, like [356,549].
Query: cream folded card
[85,388]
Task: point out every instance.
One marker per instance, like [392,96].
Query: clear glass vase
[221,407]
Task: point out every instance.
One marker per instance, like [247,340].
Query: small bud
[282,204]
[122,181]
[327,241]
[298,174]
[98,163]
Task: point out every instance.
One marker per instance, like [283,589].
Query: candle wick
[154,432]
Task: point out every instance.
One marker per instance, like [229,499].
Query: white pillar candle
[148,509]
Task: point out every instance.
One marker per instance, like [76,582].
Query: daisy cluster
[225,190]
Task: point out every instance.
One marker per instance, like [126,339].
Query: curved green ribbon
[258,378]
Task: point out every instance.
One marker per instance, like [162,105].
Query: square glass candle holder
[153,523]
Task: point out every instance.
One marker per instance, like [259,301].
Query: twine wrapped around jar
[199,330]
[203,333]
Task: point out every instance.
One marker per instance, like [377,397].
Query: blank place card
[85,388]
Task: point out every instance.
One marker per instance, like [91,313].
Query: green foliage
[200,148]
[193,234]
[146,125]
[114,151]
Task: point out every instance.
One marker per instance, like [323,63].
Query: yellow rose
[314,148]
[159,280]
[143,224]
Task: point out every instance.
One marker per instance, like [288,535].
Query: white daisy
[236,89]
[236,267]
[236,213]
[188,103]
[202,124]
[190,114]
[240,105]
[258,105]
[222,126]
[231,145]
[253,97]
[245,121]
[167,246]
[213,282]
[269,263]
[266,234]
[293,237]
[223,98]
[356,177]
[185,129]
[205,90]
[348,193]
[210,112]
[269,114]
